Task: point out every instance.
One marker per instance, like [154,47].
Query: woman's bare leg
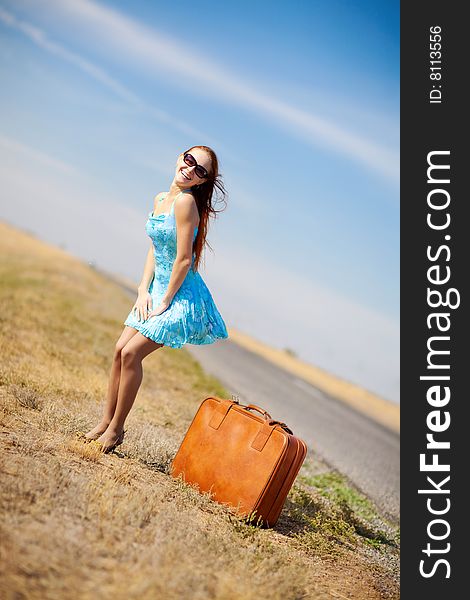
[132,355]
[113,384]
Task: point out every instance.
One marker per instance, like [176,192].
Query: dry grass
[80,524]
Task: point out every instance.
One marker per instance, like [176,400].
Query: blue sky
[300,101]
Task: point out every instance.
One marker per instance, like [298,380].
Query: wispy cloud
[67,209]
[13,145]
[150,47]
[40,37]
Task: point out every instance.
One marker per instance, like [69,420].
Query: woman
[173,306]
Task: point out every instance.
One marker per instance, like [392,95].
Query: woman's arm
[187,218]
[149,271]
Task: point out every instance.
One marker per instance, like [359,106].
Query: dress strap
[172,209]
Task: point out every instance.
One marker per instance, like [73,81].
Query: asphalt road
[360,448]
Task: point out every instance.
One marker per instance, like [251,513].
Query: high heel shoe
[81,435]
[118,442]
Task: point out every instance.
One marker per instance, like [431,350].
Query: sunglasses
[191,162]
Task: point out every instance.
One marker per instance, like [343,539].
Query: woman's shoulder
[186,206]
[188,195]
[187,199]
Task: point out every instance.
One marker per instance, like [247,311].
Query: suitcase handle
[282,424]
[265,414]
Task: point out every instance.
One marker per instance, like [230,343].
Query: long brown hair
[203,194]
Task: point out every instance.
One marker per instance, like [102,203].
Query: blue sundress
[192,317]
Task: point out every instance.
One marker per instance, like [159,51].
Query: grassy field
[76,523]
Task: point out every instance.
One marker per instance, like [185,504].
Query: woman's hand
[164,304]
[142,306]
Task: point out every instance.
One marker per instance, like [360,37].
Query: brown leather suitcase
[246,460]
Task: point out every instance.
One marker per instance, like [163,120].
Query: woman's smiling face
[185,175]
